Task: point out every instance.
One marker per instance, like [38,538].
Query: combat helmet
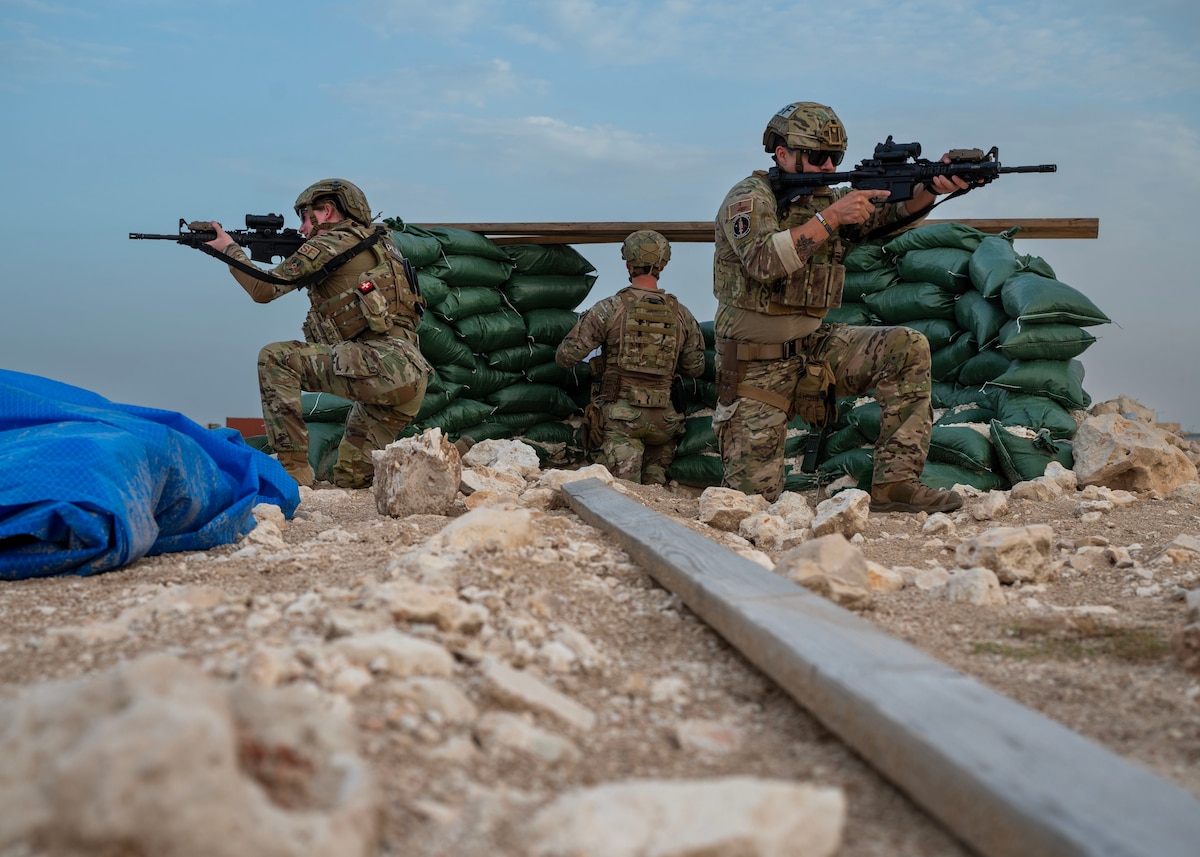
[352,200]
[646,249]
[806,125]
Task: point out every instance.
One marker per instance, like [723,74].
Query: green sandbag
[912,301]
[1035,412]
[936,235]
[521,420]
[709,334]
[465,271]
[982,368]
[324,408]
[1038,265]
[946,267]
[520,357]
[1060,380]
[866,257]
[938,332]
[434,402]
[947,362]
[797,481]
[551,373]
[450,419]
[858,462]
[697,437]
[465,243]
[480,381]
[1036,299]
[1023,458]
[850,312]
[260,442]
[698,471]
[323,440]
[552,431]
[464,302]
[962,447]
[943,477]
[440,345]
[844,439]
[538,259]
[419,245]
[1043,341]
[433,288]
[492,331]
[859,284]
[946,395]
[549,326]
[539,398]
[698,392]
[981,316]
[993,262]
[419,249]
[527,292]
[967,414]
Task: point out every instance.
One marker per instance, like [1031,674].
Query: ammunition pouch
[320,329]
[815,399]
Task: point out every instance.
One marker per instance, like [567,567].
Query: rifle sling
[322,272]
[907,220]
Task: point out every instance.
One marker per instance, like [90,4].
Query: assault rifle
[264,236]
[899,168]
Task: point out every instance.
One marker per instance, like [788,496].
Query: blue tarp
[87,485]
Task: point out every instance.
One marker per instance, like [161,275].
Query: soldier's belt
[775,400]
[767,351]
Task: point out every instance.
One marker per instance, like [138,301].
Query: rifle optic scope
[264,221]
[897,152]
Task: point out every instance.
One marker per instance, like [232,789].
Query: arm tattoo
[805,247]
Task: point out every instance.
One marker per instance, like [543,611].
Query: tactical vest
[382,299]
[647,344]
[813,290]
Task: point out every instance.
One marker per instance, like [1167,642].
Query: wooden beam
[700,231]
[1005,779]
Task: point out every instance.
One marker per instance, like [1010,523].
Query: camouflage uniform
[754,263]
[641,427]
[384,373]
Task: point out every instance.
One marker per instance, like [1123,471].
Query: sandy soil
[658,676]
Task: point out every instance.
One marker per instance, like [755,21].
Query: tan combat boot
[295,462]
[912,497]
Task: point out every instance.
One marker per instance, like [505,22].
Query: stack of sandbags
[494,319]
[1004,335]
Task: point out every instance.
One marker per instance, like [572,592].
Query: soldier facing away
[775,275]
[360,333]
[643,337]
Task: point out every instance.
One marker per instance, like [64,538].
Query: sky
[124,117]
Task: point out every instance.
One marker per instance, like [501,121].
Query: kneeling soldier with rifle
[644,337]
[777,270]
[360,334]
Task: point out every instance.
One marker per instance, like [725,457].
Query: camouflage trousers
[639,443]
[893,362]
[385,378]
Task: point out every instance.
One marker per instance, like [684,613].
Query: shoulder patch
[741,226]
[742,206]
[309,250]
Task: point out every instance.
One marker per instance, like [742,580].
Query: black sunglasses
[818,157]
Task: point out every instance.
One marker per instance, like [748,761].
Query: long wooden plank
[702,230]
[1006,780]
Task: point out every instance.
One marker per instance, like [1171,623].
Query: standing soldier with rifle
[644,337]
[360,333]
[777,270]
